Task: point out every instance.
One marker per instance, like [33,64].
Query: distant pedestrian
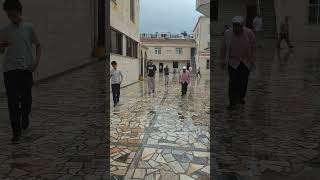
[284,33]
[184,80]
[257,27]
[116,80]
[199,73]
[18,39]
[166,75]
[238,52]
[151,68]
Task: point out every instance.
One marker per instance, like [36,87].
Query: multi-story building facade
[166,35]
[174,53]
[125,38]
[202,37]
[304,16]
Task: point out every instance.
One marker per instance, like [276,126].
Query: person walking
[151,68]
[284,33]
[166,75]
[199,73]
[257,27]
[18,39]
[238,51]
[184,80]
[116,80]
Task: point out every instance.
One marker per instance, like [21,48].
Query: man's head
[167,66]
[184,69]
[237,23]
[13,9]
[114,64]
[150,62]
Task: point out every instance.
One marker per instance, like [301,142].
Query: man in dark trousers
[17,38]
[284,33]
[166,75]
[151,68]
[238,51]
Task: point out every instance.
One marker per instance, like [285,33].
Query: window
[178,50]
[132,48]
[314,12]
[215,7]
[116,42]
[175,64]
[132,9]
[157,51]
[208,64]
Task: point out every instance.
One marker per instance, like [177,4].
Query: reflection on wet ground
[164,136]
[66,139]
[276,135]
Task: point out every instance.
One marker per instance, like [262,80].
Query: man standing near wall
[17,38]
[284,33]
[238,52]
[257,27]
[151,68]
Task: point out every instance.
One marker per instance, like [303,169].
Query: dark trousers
[184,88]
[115,92]
[284,36]
[18,85]
[238,83]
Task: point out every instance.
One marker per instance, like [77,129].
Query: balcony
[203,6]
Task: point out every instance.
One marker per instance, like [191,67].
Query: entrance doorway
[160,67]
[188,66]
[251,14]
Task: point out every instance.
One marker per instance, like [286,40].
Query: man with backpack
[238,52]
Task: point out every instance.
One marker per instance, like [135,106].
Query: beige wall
[168,52]
[66,43]
[202,36]
[121,21]
[298,14]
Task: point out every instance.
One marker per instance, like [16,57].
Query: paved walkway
[67,134]
[276,136]
[163,136]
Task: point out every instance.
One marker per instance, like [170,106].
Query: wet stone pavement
[67,131]
[162,136]
[275,136]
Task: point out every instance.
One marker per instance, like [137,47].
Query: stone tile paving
[276,135]
[163,136]
[67,135]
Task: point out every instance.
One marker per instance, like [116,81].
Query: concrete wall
[298,14]
[65,29]
[121,21]
[202,33]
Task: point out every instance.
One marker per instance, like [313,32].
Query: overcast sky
[168,16]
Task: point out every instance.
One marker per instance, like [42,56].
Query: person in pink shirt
[238,51]
[184,79]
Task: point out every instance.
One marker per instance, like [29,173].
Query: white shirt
[257,22]
[115,76]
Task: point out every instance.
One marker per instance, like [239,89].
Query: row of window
[117,44]
[158,50]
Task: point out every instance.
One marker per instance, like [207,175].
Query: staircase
[269,19]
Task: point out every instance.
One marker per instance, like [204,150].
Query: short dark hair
[12,5]
[113,63]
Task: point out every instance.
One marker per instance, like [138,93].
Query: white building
[125,38]
[202,37]
[174,53]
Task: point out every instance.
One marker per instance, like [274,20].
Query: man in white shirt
[257,28]
[116,80]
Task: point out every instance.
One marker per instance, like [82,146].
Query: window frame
[208,64]
[315,5]
[131,48]
[119,43]
[157,50]
[179,51]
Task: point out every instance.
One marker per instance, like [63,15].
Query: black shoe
[25,123]
[15,138]
[242,102]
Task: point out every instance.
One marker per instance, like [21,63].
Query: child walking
[116,80]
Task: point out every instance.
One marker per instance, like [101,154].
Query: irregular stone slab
[176,167]
[139,173]
[147,153]
[193,168]
[185,177]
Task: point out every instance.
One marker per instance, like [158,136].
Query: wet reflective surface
[275,136]
[66,139]
[161,136]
